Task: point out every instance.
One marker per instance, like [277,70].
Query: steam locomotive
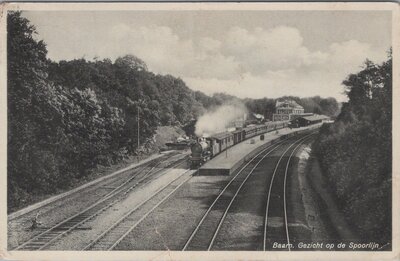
[208,147]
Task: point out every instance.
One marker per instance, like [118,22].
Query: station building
[287,110]
[308,120]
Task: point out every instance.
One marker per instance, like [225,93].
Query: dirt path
[324,218]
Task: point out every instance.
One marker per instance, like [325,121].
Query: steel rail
[92,184]
[119,221]
[148,213]
[284,192]
[223,190]
[71,223]
[237,192]
[270,189]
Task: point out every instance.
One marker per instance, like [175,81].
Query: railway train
[208,147]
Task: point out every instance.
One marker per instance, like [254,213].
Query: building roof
[306,114]
[315,117]
[288,103]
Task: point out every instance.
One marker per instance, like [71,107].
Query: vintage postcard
[201,131]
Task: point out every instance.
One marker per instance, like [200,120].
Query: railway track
[204,235]
[118,231]
[275,234]
[200,238]
[50,235]
[105,187]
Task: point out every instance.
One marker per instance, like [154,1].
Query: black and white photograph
[168,128]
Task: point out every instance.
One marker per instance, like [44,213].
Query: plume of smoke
[219,119]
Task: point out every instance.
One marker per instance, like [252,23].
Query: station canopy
[315,117]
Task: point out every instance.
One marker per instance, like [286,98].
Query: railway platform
[231,159]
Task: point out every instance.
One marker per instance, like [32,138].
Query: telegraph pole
[138,128]
[138,131]
[226,150]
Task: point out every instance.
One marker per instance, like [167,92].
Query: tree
[32,111]
[356,151]
[132,62]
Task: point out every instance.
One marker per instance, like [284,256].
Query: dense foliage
[66,118]
[356,151]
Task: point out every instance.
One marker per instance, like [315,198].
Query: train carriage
[224,139]
[221,141]
[262,129]
[271,126]
[238,136]
[250,131]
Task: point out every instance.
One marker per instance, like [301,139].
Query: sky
[251,54]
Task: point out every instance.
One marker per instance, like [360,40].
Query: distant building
[309,120]
[287,110]
[295,116]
